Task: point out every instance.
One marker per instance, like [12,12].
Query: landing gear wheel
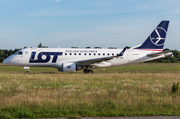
[85,71]
[88,71]
[27,72]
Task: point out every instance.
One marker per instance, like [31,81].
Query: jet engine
[69,67]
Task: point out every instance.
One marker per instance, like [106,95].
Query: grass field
[143,89]
[138,68]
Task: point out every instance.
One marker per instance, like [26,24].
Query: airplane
[72,60]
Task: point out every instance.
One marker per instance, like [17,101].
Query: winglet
[122,52]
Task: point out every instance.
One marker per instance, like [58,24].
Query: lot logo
[158,36]
[44,57]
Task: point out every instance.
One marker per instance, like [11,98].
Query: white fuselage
[55,57]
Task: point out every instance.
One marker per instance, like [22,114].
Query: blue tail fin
[157,37]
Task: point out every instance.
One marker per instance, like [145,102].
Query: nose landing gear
[27,70]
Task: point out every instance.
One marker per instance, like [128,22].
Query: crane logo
[158,36]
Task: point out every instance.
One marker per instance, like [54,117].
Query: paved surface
[141,117]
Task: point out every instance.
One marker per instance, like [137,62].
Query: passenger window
[113,54]
[70,54]
[94,53]
[99,54]
[65,53]
[89,53]
[103,54]
[79,53]
[74,53]
[84,53]
[108,54]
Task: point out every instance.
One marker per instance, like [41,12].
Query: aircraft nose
[6,61]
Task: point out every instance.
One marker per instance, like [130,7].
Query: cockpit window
[18,53]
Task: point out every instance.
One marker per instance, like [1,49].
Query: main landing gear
[27,70]
[88,71]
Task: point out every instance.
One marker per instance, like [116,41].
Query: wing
[168,52]
[97,60]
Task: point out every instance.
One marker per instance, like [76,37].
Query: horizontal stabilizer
[160,53]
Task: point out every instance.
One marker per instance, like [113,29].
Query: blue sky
[82,23]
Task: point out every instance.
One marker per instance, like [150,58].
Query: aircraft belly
[118,61]
[38,65]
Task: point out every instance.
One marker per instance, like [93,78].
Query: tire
[85,72]
[90,71]
[27,72]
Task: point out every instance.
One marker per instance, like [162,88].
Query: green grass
[137,68]
[136,90]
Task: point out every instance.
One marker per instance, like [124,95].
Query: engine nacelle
[69,67]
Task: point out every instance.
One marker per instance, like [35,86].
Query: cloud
[58,0]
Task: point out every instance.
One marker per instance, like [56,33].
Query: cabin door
[129,55]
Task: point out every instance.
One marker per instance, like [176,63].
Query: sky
[82,23]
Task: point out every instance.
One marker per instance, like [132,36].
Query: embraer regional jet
[71,60]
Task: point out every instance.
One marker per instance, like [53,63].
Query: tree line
[6,53]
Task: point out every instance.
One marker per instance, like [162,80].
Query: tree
[128,47]
[166,49]
[97,47]
[40,45]
[74,47]
[173,59]
[175,53]
[112,47]
[45,47]
[10,52]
